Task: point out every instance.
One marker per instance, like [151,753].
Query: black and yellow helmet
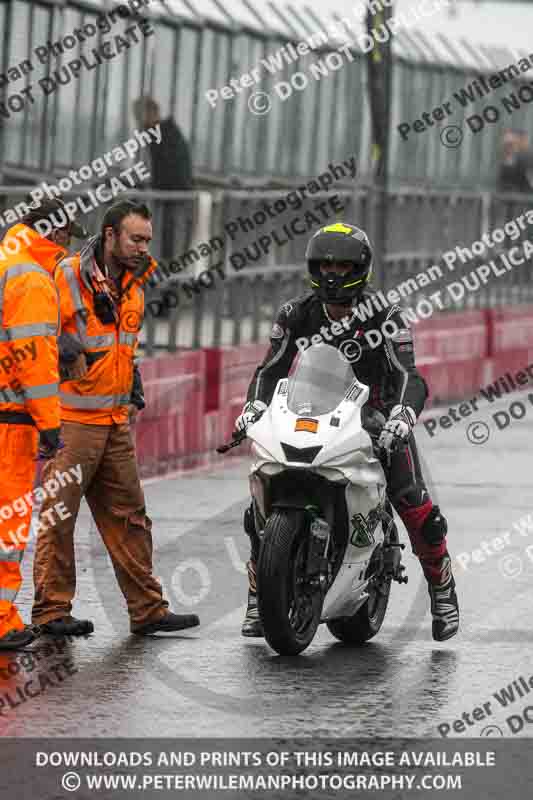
[339,242]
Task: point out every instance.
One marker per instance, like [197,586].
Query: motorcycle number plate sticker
[306,424]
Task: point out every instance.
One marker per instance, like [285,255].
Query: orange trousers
[18,449]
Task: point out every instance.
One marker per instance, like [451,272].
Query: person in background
[171,170]
[516,162]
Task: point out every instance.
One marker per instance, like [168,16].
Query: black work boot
[17,640]
[444,605]
[67,626]
[252,625]
[168,624]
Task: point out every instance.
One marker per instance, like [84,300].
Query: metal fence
[233,264]
[196,47]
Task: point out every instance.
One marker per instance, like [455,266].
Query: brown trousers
[110,483]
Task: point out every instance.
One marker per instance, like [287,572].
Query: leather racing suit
[383,358]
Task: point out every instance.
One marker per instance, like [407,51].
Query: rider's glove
[250,410]
[398,427]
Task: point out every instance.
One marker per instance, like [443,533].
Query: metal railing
[195,49]
[232,263]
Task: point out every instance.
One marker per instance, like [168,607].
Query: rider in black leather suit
[379,345]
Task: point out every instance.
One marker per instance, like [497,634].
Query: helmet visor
[340,248]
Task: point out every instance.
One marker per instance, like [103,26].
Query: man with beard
[101,293]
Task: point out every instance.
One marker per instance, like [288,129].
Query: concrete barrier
[194,397]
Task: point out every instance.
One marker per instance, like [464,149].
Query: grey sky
[483,22]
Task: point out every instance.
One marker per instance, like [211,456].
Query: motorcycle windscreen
[319,381]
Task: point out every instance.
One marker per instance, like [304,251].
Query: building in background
[199,46]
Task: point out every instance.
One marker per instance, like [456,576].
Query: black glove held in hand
[49,443]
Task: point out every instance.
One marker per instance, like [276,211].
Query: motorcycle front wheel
[289,606]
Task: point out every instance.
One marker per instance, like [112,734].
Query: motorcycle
[329,544]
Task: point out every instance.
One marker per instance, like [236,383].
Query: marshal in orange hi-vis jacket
[102,396]
[29,402]
[102,302]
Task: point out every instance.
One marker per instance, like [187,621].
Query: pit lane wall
[193,397]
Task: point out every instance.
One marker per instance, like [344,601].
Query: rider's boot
[427,530]
[444,605]
[252,625]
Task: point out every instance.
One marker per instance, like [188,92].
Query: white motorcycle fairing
[344,455]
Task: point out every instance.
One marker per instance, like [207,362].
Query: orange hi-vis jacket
[29,320]
[102,396]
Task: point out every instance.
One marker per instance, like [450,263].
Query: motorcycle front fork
[392,548]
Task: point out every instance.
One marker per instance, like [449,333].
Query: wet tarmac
[212,682]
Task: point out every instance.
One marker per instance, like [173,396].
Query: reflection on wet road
[213,682]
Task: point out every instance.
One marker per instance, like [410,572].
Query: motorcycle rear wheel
[368,619]
[289,608]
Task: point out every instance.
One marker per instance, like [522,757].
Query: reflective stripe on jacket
[29,320]
[102,396]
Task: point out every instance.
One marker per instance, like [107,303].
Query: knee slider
[435,527]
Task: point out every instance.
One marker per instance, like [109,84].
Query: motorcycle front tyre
[289,613]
